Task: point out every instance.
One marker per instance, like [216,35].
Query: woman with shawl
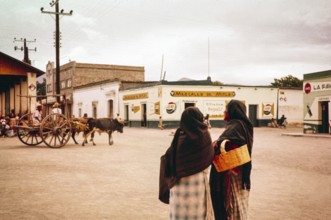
[230,189]
[186,169]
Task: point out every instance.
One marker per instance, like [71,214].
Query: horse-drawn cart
[54,130]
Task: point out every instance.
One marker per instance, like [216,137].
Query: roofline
[35,70]
[97,83]
[317,75]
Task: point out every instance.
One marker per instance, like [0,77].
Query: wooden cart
[54,130]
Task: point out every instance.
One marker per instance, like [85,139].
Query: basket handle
[222,148]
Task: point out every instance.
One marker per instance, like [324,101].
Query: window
[69,83]
[94,109]
[49,87]
[63,84]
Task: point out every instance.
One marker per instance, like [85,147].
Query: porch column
[32,89]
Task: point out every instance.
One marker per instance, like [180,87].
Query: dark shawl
[239,130]
[191,151]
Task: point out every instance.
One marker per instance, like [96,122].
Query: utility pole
[25,49]
[57,41]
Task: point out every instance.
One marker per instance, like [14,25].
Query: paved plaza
[291,177]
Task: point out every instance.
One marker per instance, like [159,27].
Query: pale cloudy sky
[251,42]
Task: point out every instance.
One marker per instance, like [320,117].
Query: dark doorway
[143,115]
[110,108]
[252,113]
[7,103]
[126,114]
[189,104]
[325,117]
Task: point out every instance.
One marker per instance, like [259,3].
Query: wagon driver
[37,115]
[56,108]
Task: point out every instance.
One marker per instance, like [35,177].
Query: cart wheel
[26,132]
[55,130]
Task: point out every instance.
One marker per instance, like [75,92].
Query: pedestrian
[160,125]
[273,123]
[56,108]
[37,115]
[230,189]
[283,121]
[207,122]
[12,114]
[186,163]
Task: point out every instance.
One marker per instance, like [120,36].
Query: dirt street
[291,177]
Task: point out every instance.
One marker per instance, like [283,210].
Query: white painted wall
[84,98]
[290,104]
[260,96]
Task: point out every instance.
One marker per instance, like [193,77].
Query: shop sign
[212,94]
[136,96]
[135,109]
[215,109]
[317,87]
[171,107]
[157,108]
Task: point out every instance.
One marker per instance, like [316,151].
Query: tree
[217,83]
[41,87]
[288,82]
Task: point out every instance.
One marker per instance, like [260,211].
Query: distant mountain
[185,79]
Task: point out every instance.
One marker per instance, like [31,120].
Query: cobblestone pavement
[291,177]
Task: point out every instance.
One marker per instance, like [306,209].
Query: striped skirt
[190,198]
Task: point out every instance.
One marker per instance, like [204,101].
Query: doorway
[252,113]
[189,104]
[126,113]
[110,108]
[143,115]
[325,117]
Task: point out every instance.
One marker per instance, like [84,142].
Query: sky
[246,42]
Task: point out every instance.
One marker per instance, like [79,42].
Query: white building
[290,105]
[143,106]
[143,103]
[316,102]
[96,99]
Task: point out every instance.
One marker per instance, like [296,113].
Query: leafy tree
[41,87]
[288,82]
[217,83]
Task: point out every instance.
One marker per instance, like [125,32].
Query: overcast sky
[251,42]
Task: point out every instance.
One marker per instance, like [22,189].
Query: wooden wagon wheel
[27,133]
[55,130]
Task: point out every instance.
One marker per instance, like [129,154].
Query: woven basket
[230,159]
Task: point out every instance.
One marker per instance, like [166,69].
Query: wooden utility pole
[57,41]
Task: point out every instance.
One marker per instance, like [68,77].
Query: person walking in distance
[161,123]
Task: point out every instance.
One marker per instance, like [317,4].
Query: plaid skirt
[190,198]
[231,201]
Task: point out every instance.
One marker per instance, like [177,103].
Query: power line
[25,48]
[57,13]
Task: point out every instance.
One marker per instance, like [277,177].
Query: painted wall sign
[157,108]
[317,87]
[135,109]
[307,88]
[171,107]
[176,93]
[267,109]
[215,109]
[143,95]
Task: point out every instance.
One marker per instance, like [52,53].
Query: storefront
[317,106]
[142,107]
